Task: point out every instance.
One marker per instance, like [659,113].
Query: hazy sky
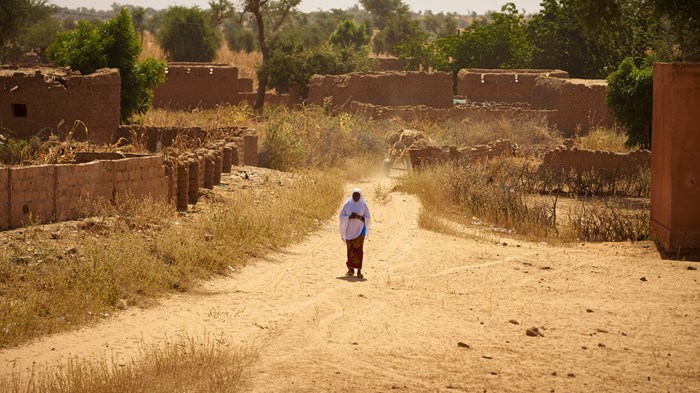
[460,6]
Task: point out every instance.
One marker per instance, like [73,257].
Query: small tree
[186,34]
[112,44]
[349,34]
[630,99]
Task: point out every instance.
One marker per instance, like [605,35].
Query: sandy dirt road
[604,328]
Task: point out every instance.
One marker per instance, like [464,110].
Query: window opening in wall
[19,110]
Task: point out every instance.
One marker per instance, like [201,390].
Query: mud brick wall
[605,163]
[192,85]
[580,103]
[675,172]
[245,85]
[4,193]
[78,184]
[423,113]
[434,154]
[47,193]
[501,85]
[31,194]
[383,88]
[52,100]
[140,177]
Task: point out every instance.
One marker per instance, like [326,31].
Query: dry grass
[52,285]
[430,220]
[498,192]
[247,63]
[529,132]
[221,116]
[603,139]
[183,364]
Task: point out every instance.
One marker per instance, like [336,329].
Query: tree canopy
[112,44]
[187,34]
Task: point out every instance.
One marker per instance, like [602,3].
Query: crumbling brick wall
[603,162]
[580,103]
[501,85]
[192,85]
[424,113]
[41,101]
[158,138]
[434,154]
[383,88]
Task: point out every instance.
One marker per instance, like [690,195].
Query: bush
[630,99]
[113,44]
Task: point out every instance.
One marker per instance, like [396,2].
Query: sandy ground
[604,327]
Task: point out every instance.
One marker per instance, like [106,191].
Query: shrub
[630,99]
[112,44]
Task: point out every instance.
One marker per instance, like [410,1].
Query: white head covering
[351,229]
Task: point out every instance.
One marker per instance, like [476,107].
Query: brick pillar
[227,159]
[209,172]
[183,184]
[675,163]
[4,198]
[250,143]
[218,166]
[193,186]
[235,160]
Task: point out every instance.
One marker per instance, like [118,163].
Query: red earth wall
[675,157]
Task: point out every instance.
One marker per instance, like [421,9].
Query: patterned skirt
[355,252]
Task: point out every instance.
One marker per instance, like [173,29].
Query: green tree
[239,37]
[561,42]
[349,34]
[112,44]
[291,64]
[398,28]
[422,51]
[384,10]
[186,34]
[18,16]
[502,43]
[630,99]
[272,14]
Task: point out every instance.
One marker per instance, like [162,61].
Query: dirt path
[315,330]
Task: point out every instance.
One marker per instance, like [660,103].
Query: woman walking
[354,229]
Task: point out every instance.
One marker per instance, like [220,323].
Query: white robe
[351,229]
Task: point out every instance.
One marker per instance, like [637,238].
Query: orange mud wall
[675,157]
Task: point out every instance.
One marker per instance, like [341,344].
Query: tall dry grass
[498,192]
[183,364]
[603,139]
[147,249]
